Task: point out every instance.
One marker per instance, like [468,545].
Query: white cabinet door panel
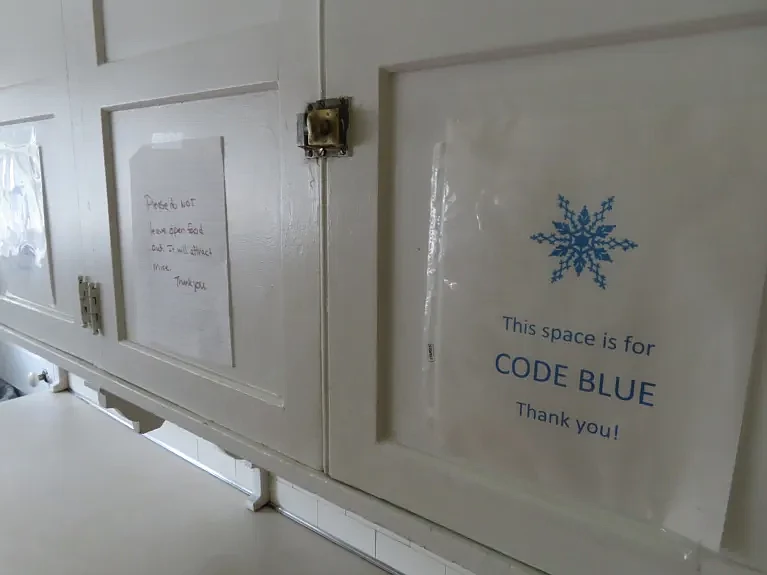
[34,37]
[237,73]
[40,241]
[439,63]
[127,32]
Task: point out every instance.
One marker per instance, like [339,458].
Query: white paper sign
[180,243]
[596,284]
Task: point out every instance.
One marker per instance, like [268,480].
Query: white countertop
[80,495]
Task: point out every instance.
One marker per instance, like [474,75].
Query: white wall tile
[427,553]
[370,524]
[77,385]
[210,455]
[406,559]
[361,533]
[178,438]
[392,535]
[278,488]
[296,501]
[333,520]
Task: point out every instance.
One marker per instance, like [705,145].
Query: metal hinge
[323,128]
[90,304]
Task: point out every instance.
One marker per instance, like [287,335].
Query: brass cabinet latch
[90,304]
[323,128]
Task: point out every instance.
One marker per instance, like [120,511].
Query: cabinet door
[475,127]
[203,213]
[41,252]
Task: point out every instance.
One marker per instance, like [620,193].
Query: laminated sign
[594,292]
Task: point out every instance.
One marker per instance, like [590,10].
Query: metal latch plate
[323,128]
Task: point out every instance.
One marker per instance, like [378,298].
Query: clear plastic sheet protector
[594,288]
[24,268]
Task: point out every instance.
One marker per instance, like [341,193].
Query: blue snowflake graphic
[582,241]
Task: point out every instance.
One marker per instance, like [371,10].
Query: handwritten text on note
[180,244]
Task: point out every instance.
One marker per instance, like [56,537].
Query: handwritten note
[180,245]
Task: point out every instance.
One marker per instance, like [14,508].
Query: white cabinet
[418,70]
[40,235]
[142,109]
[153,85]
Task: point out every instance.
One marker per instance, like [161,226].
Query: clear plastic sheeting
[593,290]
[22,212]
[438,205]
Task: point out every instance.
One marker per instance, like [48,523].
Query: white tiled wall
[372,540]
[77,385]
[389,548]
[181,440]
[335,521]
[178,438]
